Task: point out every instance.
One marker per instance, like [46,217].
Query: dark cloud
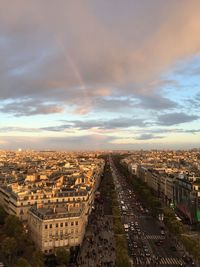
[29,107]
[117,123]
[148,136]
[175,118]
[165,130]
[115,104]
[156,102]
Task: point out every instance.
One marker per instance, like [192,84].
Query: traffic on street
[149,243]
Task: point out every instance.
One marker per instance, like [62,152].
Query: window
[56,224]
[66,224]
[61,234]
[46,226]
[61,224]
[50,225]
[72,223]
[76,222]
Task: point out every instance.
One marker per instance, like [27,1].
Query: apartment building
[57,226]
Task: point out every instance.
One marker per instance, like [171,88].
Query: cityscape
[125,208]
[99,133]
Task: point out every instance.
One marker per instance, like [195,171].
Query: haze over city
[99,74]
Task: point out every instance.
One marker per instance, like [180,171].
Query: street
[148,241]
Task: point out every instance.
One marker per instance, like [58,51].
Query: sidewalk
[98,247]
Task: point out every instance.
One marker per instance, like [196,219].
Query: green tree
[37,259]
[21,262]
[8,250]
[62,256]
[122,257]
[13,226]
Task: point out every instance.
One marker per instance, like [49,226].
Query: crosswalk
[162,262]
[155,237]
[171,260]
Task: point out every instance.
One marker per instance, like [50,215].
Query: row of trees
[121,249]
[178,230]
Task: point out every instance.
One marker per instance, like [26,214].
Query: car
[130,246]
[162,232]
[133,254]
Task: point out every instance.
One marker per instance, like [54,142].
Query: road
[148,242]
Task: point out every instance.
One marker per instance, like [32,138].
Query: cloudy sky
[99,74]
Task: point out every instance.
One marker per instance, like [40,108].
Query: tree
[62,256]
[8,250]
[13,226]
[37,259]
[21,262]
[122,258]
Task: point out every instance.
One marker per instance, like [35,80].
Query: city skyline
[99,75]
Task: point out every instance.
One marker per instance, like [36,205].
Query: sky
[99,74]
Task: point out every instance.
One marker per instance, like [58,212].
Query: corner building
[62,226]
